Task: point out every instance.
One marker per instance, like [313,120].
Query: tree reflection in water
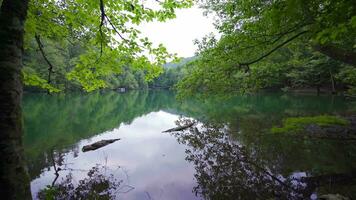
[99,184]
[225,170]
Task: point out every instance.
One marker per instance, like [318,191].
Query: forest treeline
[285,45]
[295,66]
[60,59]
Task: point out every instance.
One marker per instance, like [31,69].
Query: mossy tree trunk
[14,180]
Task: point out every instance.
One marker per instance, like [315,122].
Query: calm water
[228,154]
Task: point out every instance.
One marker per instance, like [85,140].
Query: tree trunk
[333,90]
[336,53]
[14,180]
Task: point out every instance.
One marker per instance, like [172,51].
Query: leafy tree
[172,73]
[129,81]
[107,30]
[109,35]
[348,76]
[261,26]
[263,34]
[140,78]
[50,67]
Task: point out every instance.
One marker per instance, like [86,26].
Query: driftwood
[98,145]
[180,128]
[333,197]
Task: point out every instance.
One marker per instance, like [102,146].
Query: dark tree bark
[348,57]
[14,180]
[333,90]
[50,66]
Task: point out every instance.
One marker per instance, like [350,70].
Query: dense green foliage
[172,73]
[85,42]
[36,70]
[280,45]
[276,44]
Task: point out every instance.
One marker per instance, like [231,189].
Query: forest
[37,71]
[272,73]
[284,45]
[300,50]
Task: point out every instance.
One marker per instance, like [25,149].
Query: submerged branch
[98,145]
[179,128]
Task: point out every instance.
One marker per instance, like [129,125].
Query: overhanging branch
[50,66]
[278,36]
[114,28]
[272,50]
[103,18]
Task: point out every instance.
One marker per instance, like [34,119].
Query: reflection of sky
[153,161]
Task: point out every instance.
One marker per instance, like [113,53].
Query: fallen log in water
[179,128]
[98,145]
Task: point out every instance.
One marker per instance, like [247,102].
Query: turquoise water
[228,154]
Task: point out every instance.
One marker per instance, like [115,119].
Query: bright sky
[177,35]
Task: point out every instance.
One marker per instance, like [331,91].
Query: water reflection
[152,161]
[227,169]
[97,185]
[229,155]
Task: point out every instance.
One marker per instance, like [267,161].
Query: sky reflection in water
[154,165]
[144,158]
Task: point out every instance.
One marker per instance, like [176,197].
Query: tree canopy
[264,42]
[106,33]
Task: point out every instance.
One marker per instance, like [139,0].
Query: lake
[229,153]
